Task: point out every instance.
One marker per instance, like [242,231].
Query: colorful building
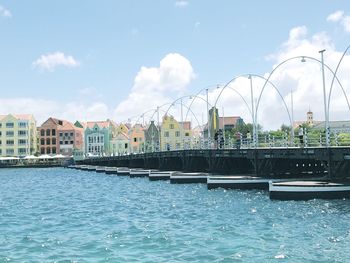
[120,140]
[17,135]
[175,135]
[60,137]
[98,137]
[151,138]
[137,139]
[71,138]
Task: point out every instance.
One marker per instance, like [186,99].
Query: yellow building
[120,140]
[17,135]
[175,135]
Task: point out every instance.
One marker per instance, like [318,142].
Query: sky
[93,60]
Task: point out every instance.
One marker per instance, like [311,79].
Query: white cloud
[346,23]
[336,16]
[154,86]
[51,61]
[181,3]
[304,80]
[5,12]
[340,17]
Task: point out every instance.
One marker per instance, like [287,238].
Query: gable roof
[26,117]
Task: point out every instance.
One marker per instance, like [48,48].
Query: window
[53,141]
[61,142]
[187,134]
[42,132]
[53,132]
[10,142]
[23,125]
[10,124]
[61,134]
[71,142]
[9,133]
[171,126]
[48,150]
[126,146]
[42,141]
[22,151]
[54,150]
[71,134]
[22,133]
[10,151]
[0,152]
[166,134]
[135,139]
[48,141]
[177,134]
[22,142]
[66,134]
[0,142]
[65,142]
[42,150]
[0,125]
[101,139]
[0,133]
[48,131]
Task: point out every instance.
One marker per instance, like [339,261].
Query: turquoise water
[62,215]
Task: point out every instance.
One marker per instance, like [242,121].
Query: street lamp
[325,99]
[252,111]
[303,59]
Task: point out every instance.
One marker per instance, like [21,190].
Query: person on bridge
[301,136]
[238,136]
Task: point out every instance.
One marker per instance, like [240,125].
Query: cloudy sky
[92,60]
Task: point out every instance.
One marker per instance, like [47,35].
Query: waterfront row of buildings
[20,136]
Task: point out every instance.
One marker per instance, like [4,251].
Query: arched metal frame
[252,111]
[289,59]
[335,77]
[187,107]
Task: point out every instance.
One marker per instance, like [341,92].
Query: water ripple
[61,215]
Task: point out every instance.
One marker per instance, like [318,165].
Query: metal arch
[335,77]
[155,110]
[279,93]
[239,94]
[285,61]
[194,97]
[175,101]
[266,81]
[143,114]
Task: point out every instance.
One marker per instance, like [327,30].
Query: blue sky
[98,48]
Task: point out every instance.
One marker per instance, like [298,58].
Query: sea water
[64,215]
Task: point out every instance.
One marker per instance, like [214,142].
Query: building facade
[17,135]
[71,138]
[48,136]
[175,135]
[151,138]
[137,139]
[98,137]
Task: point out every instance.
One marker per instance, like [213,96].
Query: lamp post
[302,60]
[253,112]
[325,99]
[208,118]
[159,132]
